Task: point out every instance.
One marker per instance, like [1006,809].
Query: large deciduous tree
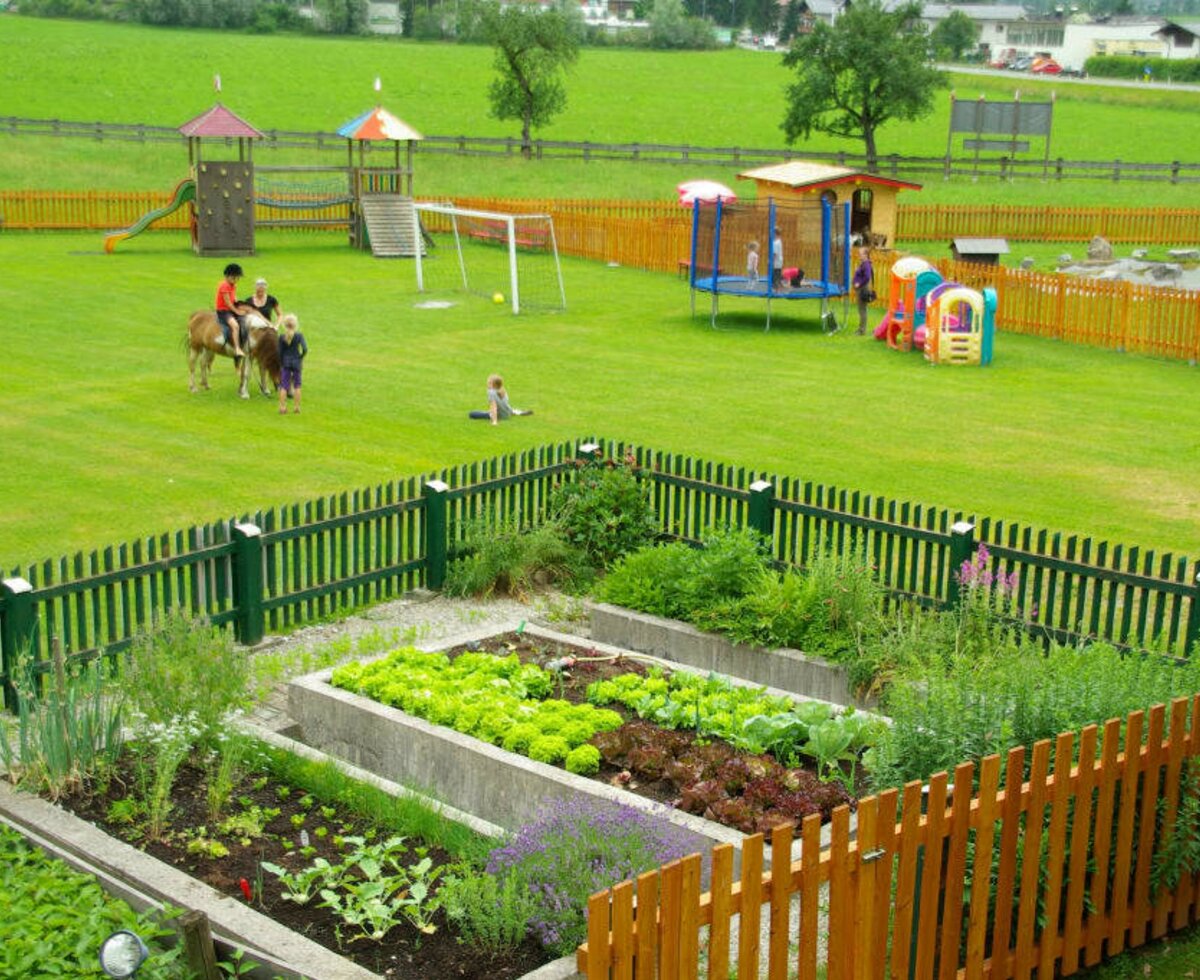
[533,49]
[869,67]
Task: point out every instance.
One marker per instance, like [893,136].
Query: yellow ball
[497,297]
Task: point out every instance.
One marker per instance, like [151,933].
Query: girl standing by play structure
[752,262]
[864,276]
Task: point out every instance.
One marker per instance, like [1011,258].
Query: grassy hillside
[723,98]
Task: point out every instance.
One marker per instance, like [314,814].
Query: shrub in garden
[502,559]
[605,511]
[490,914]
[696,584]
[978,706]
[574,849]
[186,668]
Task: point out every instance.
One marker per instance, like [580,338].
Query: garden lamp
[122,954]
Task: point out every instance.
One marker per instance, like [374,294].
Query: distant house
[1179,36]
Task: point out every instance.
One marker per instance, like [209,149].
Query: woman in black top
[263,303]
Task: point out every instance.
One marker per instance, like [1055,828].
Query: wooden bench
[496,232]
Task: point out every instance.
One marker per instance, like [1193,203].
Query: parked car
[1022,63]
[1074,73]
[1046,66]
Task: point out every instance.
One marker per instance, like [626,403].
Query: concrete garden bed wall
[145,882]
[791,671]
[464,772]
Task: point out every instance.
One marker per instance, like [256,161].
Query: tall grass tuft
[66,735]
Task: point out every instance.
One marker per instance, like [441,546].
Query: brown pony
[205,340]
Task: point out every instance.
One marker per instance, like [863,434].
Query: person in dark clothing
[864,277]
[263,303]
[292,350]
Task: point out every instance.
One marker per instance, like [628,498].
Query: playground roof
[804,173]
[378,124]
[219,121]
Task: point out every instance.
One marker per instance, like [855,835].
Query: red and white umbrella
[704,191]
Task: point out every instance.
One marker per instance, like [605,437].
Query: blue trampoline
[816,253]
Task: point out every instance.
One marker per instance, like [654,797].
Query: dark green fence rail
[280,568]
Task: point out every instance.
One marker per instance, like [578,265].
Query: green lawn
[103,442]
[734,97]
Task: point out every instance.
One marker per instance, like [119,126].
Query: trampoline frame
[823,289]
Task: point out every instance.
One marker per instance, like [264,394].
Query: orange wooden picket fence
[1138,226]
[1047,866]
[656,236]
[106,210]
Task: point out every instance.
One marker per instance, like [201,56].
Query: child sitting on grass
[498,406]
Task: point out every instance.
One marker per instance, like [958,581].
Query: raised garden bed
[787,670]
[473,775]
[213,868]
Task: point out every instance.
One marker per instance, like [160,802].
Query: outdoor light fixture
[122,954]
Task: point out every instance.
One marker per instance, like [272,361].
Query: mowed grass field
[103,442]
[136,74]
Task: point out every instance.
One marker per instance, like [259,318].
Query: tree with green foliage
[955,35]
[343,16]
[533,49]
[791,22]
[671,26]
[867,68]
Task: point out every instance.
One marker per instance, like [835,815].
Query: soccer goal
[509,257]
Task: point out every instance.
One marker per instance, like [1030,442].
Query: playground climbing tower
[381,212]
[223,208]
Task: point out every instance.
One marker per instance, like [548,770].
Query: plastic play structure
[950,322]
[816,251]
[184,193]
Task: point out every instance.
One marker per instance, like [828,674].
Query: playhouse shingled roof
[805,173]
[221,122]
[378,124]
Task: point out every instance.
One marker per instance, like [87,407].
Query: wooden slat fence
[316,143]
[320,558]
[1044,862]
[347,550]
[1068,587]
[1136,226]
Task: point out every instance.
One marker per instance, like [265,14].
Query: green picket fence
[283,567]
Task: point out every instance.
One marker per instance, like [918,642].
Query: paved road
[1019,76]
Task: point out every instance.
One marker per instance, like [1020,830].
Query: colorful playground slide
[184,192]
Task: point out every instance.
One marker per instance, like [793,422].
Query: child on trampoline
[752,262]
[498,406]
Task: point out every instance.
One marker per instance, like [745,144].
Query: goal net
[512,258]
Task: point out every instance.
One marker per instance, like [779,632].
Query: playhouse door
[860,211]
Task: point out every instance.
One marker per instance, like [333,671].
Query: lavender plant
[575,849]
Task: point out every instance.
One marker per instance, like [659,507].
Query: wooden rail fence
[893,165]
[1041,863]
[284,566]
